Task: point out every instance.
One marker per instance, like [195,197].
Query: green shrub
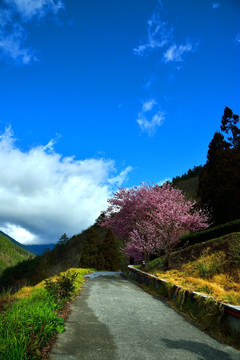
[63,287]
[202,269]
[156,264]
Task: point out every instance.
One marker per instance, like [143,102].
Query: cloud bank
[43,194]
[14,14]
[150,117]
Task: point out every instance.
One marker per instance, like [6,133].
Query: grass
[212,270]
[29,319]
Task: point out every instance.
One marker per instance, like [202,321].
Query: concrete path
[113,319]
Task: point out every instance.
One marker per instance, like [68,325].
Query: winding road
[114,319]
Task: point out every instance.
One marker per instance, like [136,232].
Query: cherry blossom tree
[151,219]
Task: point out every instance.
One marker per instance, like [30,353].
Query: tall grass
[28,325]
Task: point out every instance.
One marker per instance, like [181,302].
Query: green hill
[33,249]
[188,182]
[10,253]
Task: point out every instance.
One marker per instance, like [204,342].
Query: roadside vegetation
[31,317]
[211,268]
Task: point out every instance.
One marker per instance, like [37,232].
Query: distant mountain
[34,249]
[10,253]
[38,249]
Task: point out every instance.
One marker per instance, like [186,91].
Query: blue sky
[99,94]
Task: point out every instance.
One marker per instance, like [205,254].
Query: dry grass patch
[215,272]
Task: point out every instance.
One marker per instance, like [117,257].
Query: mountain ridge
[38,249]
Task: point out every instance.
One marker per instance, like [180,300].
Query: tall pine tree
[220,177]
[229,125]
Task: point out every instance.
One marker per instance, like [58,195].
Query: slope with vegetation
[10,253]
[36,249]
[188,182]
[211,267]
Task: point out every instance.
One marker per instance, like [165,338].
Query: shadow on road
[201,349]
[85,334]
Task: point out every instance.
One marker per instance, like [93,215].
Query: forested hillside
[189,187]
[95,247]
[10,253]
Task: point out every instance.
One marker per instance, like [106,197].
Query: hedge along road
[114,319]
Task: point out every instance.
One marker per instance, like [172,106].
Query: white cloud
[12,32]
[148,105]
[156,117]
[11,46]
[237,38]
[17,232]
[43,195]
[215,5]
[158,35]
[175,53]
[39,8]
[161,182]
[119,179]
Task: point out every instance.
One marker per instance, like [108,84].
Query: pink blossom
[151,219]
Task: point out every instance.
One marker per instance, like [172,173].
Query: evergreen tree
[60,247]
[110,252]
[216,148]
[100,260]
[229,124]
[220,177]
[89,257]
[63,240]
